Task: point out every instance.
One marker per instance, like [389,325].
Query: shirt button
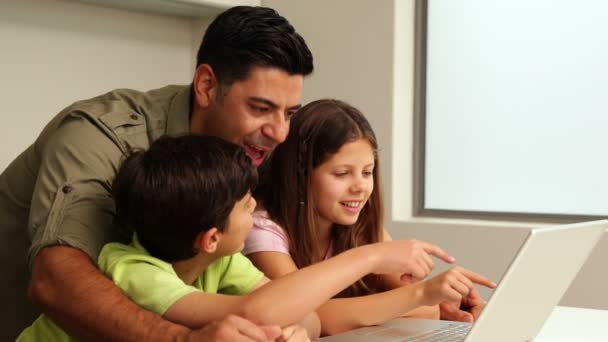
[67,189]
[134,117]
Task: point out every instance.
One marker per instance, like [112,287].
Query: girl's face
[343,183]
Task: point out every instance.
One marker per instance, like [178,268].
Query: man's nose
[276,129]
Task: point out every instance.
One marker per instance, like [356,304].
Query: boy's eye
[368,173]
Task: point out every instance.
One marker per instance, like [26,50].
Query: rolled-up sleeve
[72,203]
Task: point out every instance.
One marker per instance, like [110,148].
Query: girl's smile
[343,183]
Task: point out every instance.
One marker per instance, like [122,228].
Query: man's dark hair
[243,37]
[178,188]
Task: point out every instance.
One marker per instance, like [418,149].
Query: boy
[188,200]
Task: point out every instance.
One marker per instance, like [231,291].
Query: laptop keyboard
[451,333]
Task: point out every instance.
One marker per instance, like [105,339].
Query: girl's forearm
[342,314]
[426,312]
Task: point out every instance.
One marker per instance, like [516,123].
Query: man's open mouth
[256,154]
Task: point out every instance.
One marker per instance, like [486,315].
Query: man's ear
[205,85]
[208,241]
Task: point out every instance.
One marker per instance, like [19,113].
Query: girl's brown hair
[317,132]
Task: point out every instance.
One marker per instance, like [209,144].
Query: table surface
[570,324]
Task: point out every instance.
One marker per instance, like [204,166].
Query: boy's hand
[235,329]
[294,333]
[452,285]
[411,258]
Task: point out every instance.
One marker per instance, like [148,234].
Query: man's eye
[289,115]
[259,109]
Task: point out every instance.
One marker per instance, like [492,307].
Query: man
[55,197]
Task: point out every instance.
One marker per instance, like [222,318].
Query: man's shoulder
[130,118]
[153,104]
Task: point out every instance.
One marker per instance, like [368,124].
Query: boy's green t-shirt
[153,284]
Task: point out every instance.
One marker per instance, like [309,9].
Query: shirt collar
[135,243]
[179,113]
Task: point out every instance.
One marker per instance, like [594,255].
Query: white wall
[363,52]
[55,52]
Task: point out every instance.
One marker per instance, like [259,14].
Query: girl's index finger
[478,279]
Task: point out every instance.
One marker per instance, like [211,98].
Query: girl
[320,197]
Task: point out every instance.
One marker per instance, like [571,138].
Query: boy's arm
[307,289]
[311,323]
[234,328]
[199,308]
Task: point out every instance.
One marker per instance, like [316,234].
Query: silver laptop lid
[531,287]
[535,281]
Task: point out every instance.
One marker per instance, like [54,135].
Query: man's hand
[468,310]
[237,329]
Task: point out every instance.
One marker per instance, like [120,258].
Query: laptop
[532,286]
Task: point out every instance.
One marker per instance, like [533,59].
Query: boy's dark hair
[243,37]
[179,187]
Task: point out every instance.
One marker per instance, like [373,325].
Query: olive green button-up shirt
[57,192]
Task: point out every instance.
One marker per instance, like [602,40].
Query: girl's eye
[341,173]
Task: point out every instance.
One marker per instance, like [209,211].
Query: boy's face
[239,223]
[254,113]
